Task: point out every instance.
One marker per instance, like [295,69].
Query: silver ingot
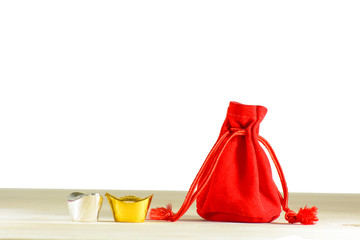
[84,207]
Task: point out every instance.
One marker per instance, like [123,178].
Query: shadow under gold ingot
[129,208]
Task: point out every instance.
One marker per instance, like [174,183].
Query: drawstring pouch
[235,182]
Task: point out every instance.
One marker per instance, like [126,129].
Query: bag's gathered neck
[305,215]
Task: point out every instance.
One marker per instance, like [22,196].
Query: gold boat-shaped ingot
[84,207]
[129,208]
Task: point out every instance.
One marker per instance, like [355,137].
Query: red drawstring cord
[207,168]
[305,215]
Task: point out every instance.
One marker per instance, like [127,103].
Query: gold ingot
[129,208]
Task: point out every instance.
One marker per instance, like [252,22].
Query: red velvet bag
[235,182]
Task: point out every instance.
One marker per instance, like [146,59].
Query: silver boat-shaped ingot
[84,207]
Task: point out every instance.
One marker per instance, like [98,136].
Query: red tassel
[306,216]
[161,213]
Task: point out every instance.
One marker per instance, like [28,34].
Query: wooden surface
[43,214]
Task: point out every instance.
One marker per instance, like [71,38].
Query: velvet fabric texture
[235,182]
[240,188]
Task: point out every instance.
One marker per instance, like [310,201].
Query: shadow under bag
[235,181]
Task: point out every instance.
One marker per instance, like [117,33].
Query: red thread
[306,216]
[161,213]
[208,169]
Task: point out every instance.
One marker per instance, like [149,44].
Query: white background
[132,94]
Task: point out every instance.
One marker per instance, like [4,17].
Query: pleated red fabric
[235,182]
[241,188]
